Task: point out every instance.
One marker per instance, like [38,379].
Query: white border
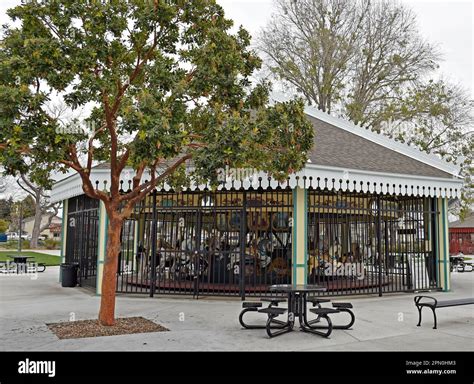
[384,182]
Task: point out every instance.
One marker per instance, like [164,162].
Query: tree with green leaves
[367,62]
[6,208]
[437,118]
[4,226]
[164,83]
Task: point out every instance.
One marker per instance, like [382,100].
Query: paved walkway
[387,323]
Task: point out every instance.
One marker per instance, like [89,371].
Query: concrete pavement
[387,323]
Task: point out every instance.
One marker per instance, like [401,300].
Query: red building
[461,236]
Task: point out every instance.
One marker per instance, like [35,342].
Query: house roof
[468,222]
[55,228]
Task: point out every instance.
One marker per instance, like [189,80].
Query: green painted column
[300,238]
[63,234]
[443,245]
[102,246]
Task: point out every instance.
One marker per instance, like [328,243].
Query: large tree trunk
[107,300]
[37,224]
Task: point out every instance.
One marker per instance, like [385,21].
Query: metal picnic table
[21,262]
[297,307]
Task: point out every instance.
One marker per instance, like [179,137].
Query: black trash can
[69,274]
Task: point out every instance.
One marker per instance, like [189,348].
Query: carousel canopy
[344,156]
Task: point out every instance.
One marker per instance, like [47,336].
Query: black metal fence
[82,237]
[361,243]
[226,242]
[238,242]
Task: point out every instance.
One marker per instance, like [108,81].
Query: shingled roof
[336,147]
[468,222]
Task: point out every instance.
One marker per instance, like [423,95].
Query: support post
[379,243]
[443,245]
[101,246]
[300,236]
[242,240]
[63,235]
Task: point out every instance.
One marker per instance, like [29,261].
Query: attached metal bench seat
[273,311]
[270,311]
[43,266]
[338,307]
[274,301]
[317,301]
[323,311]
[431,302]
[272,323]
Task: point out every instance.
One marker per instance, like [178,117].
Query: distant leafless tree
[310,44]
[43,207]
[366,61]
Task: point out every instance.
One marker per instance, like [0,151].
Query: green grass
[39,257]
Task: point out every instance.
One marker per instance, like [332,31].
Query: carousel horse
[183,264]
[335,251]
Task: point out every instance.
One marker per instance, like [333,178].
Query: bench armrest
[419,298]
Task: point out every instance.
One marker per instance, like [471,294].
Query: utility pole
[20,225]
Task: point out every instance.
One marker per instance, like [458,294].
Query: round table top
[297,288]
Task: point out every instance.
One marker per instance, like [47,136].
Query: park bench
[434,304]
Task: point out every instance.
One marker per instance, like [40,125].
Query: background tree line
[366,61]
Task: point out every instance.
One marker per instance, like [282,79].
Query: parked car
[12,236]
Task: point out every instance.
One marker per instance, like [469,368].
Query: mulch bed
[92,328]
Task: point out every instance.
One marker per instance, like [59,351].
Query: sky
[446,23]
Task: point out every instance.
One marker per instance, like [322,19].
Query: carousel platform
[182,286]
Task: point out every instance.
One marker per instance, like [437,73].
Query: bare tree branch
[51,216]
